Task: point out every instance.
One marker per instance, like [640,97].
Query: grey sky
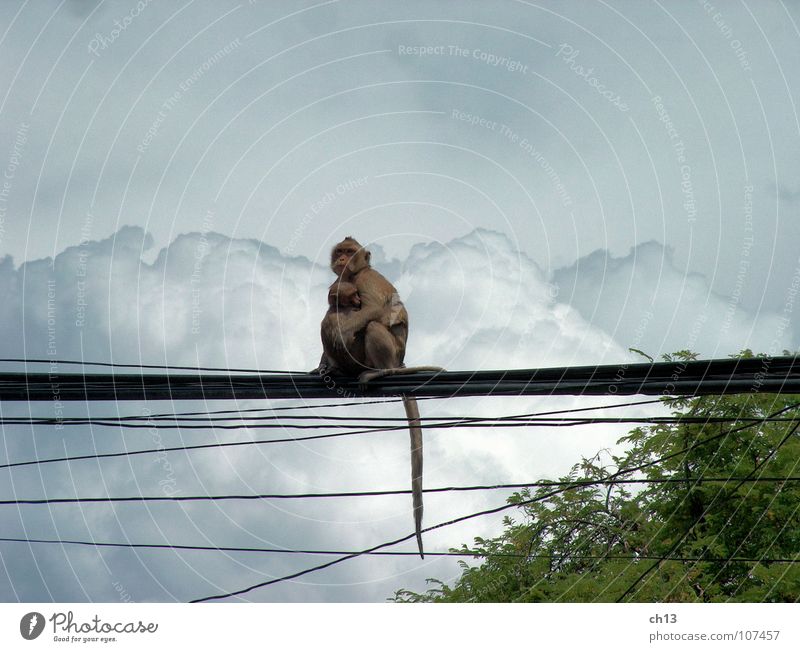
[546,183]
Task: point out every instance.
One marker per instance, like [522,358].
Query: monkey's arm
[348,325]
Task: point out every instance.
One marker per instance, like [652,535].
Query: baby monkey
[339,330]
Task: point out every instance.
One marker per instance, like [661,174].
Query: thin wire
[487,512]
[227,444]
[276,441]
[87,363]
[387,553]
[682,538]
[140,417]
[282,440]
[368,430]
[392,492]
[356,422]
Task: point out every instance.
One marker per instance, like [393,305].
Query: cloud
[211,300]
[643,300]
[475,302]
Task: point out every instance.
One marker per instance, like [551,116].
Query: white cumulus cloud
[475,302]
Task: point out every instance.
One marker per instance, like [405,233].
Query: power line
[486,512]
[228,444]
[383,401]
[696,377]
[117,365]
[259,442]
[682,538]
[358,422]
[178,416]
[396,492]
[282,440]
[162,449]
[386,553]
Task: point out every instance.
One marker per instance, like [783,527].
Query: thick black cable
[386,553]
[697,377]
[393,492]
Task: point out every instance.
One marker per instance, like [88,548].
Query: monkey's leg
[380,349]
[412,412]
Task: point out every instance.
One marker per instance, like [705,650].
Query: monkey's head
[348,258]
[344,295]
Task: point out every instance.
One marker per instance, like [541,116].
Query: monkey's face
[348,255]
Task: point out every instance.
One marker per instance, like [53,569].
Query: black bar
[695,378]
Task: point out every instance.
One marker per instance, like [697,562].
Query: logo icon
[31,625]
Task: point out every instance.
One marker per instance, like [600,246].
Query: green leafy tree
[711,524]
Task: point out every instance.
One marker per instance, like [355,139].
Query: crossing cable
[385,553]
[682,538]
[176,415]
[209,416]
[487,512]
[359,422]
[395,492]
[258,442]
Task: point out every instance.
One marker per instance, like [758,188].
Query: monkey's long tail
[412,412]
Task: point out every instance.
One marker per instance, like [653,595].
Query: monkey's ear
[367,256]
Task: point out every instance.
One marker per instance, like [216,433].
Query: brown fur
[371,341]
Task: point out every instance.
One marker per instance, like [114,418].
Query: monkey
[342,332]
[382,322]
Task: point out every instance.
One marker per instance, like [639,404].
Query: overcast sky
[546,183]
